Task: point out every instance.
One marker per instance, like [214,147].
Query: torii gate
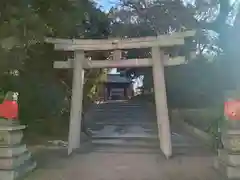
[157,62]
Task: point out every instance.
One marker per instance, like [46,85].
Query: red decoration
[9,109]
[232,109]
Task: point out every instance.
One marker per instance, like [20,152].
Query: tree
[223,19]
[150,18]
[26,61]
[214,41]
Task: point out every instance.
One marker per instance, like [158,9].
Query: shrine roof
[117,78]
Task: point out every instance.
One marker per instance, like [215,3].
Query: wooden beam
[147,62]
[128,43]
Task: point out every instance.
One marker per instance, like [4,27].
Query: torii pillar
[164,131]
[76,102]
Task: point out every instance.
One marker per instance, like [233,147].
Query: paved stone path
[125,147]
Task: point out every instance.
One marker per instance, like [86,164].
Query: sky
[106,4]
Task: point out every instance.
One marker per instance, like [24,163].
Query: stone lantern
[15,159]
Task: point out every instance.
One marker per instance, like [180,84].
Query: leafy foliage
[26,61]
[212,71]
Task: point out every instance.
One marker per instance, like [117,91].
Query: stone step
[119,118]
[126,142]
[124,123]
[116,108]
[115,105]
[145,147]
[127,135]
[18,172]
[129,110]
[140,142]
[121,115]
[119,110]
[126,103]
[146,150]
[112,111]
[119,105]
[123,132]
[116,148]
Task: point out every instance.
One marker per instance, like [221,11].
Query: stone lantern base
[15,159]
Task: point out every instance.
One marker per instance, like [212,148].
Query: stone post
[15,159]
[228,160]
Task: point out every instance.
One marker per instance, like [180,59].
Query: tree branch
[220,22]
